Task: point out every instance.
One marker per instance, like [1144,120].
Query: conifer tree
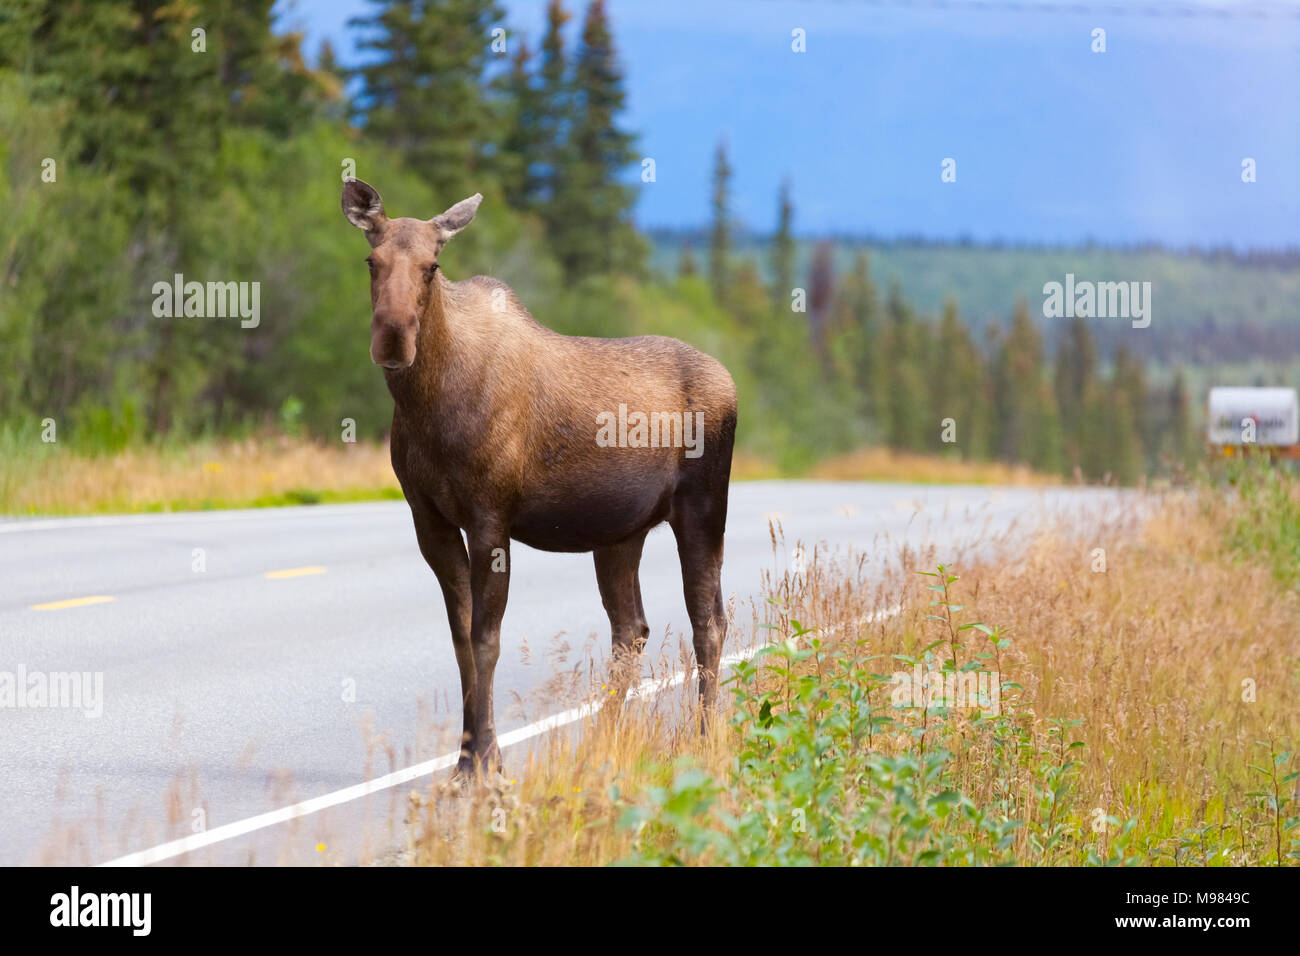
[908,393]
[856,345]
[783,250]
[1130,381]
[821,294]
[686,262]
[720,233]
[1096,459]
[524,149]
[555,108]
[1126,460]
[1027,421]
[959,387]
[424,94]
[1181,443]
[1076,369]
[589,215]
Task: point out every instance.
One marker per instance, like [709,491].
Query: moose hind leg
[489,571]
[698,526]
[620,592]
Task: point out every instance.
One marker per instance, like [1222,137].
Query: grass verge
[251,473]
[1145,674]
[265,472]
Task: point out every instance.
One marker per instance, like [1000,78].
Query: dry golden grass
[1149,655]
[746,466]
[560,801]
[883,464]
[224,474]
[266,471]
[1178,658]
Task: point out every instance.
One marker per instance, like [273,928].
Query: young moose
[506,430]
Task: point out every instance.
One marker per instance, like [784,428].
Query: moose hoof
[464,772]
[473,769]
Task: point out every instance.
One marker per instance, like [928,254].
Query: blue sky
[1052,142]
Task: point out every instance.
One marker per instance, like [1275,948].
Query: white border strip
[647,688]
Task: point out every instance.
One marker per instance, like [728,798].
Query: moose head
[403,265]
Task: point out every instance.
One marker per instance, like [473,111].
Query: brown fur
[494,433]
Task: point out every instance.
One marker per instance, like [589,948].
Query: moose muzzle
[392,341]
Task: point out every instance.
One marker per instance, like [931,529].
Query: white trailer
[1268,418]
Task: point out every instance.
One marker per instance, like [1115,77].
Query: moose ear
[457,217]
[362,205]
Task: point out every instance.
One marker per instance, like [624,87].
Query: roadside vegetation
[1146,717]
[198,476]
[276,469]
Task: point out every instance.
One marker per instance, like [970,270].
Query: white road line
[647,688]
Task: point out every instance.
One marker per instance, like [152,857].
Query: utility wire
[1172,10]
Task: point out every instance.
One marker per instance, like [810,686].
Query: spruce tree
[805,415]
[424,94]
[524,149]
[783,250]
[555,108]
[1095,436]
[1126,461]
[589,219]
[908,393]
[1181,442]
[1025,411]
[720,233]
[821,293]
[959,387]
[1130,380]
[1076,369]
[332,81]
[856,346]
[686,261]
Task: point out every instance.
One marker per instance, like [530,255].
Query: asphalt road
[225,691]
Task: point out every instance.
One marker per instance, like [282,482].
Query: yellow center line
[73,602]
[294,572]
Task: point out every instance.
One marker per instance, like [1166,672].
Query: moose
[505,430]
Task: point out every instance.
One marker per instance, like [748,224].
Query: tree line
[920,385]
[141,139]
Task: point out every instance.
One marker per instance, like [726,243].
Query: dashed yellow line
[73,602]
[294,572]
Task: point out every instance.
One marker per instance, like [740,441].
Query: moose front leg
[444,550]
[489,575]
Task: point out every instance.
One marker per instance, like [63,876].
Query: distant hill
[1207,307]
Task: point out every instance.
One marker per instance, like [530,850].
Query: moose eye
[370,264]
[429,270]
